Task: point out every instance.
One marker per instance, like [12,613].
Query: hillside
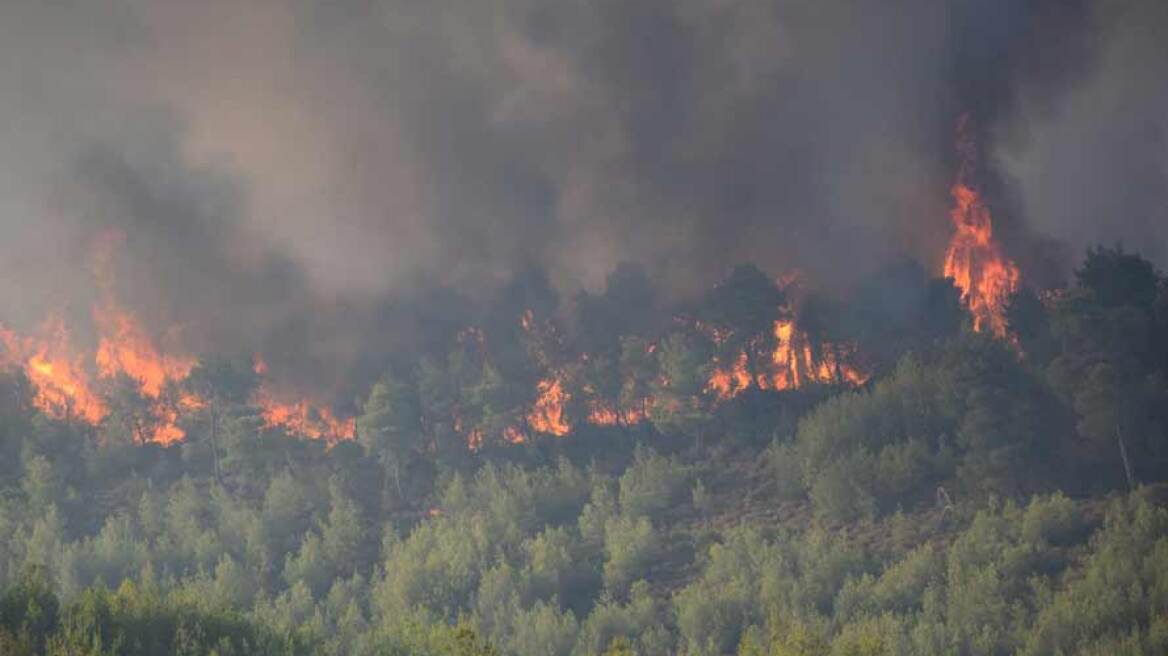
[969,495]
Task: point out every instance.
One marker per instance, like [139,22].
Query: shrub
[651,484]
[784,461]
[630,545]
[840,492]
[1052,520]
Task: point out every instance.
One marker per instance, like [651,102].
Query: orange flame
[300,416]
[61,376]
[547,415]
[60,384]
[602,414]
[793,364]
[514,435]
[728,383]
[303,417]
[974,260]
[474,440]
[124,348]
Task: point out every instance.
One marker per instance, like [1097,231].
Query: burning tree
[974,259]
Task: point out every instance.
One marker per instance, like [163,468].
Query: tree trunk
[751,364]
[215,441]
[1131,480]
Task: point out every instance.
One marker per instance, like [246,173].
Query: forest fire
[299,416]
[302,417]
[974,259]
[514,435]
[547,414]
[604,414]
[125,349]
[61,387]
[727,383]
[62,377]
[793,363]
[601,414]
[73,384]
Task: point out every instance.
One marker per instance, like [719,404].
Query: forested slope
[960,493]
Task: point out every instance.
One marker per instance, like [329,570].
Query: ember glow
[974,259]
[601,413]
[514,435]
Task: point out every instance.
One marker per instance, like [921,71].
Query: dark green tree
[390,428]
[680,400]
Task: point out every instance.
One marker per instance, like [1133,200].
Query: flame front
[974,259]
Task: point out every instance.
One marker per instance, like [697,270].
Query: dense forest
[761,470]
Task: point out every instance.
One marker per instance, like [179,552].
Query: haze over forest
[695,327]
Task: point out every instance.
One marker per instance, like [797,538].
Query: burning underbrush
[125,370]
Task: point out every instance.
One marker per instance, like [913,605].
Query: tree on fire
[970,494]
[743,308]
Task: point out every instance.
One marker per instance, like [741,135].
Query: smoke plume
[296,176]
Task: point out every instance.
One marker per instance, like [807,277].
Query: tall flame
[547,414]
[61,386]
[974,259]
[792,364]
[125,349]
[795,363]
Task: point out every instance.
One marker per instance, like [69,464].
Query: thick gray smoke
[282,169]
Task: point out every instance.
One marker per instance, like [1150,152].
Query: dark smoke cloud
[295,176]
[1094,169]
